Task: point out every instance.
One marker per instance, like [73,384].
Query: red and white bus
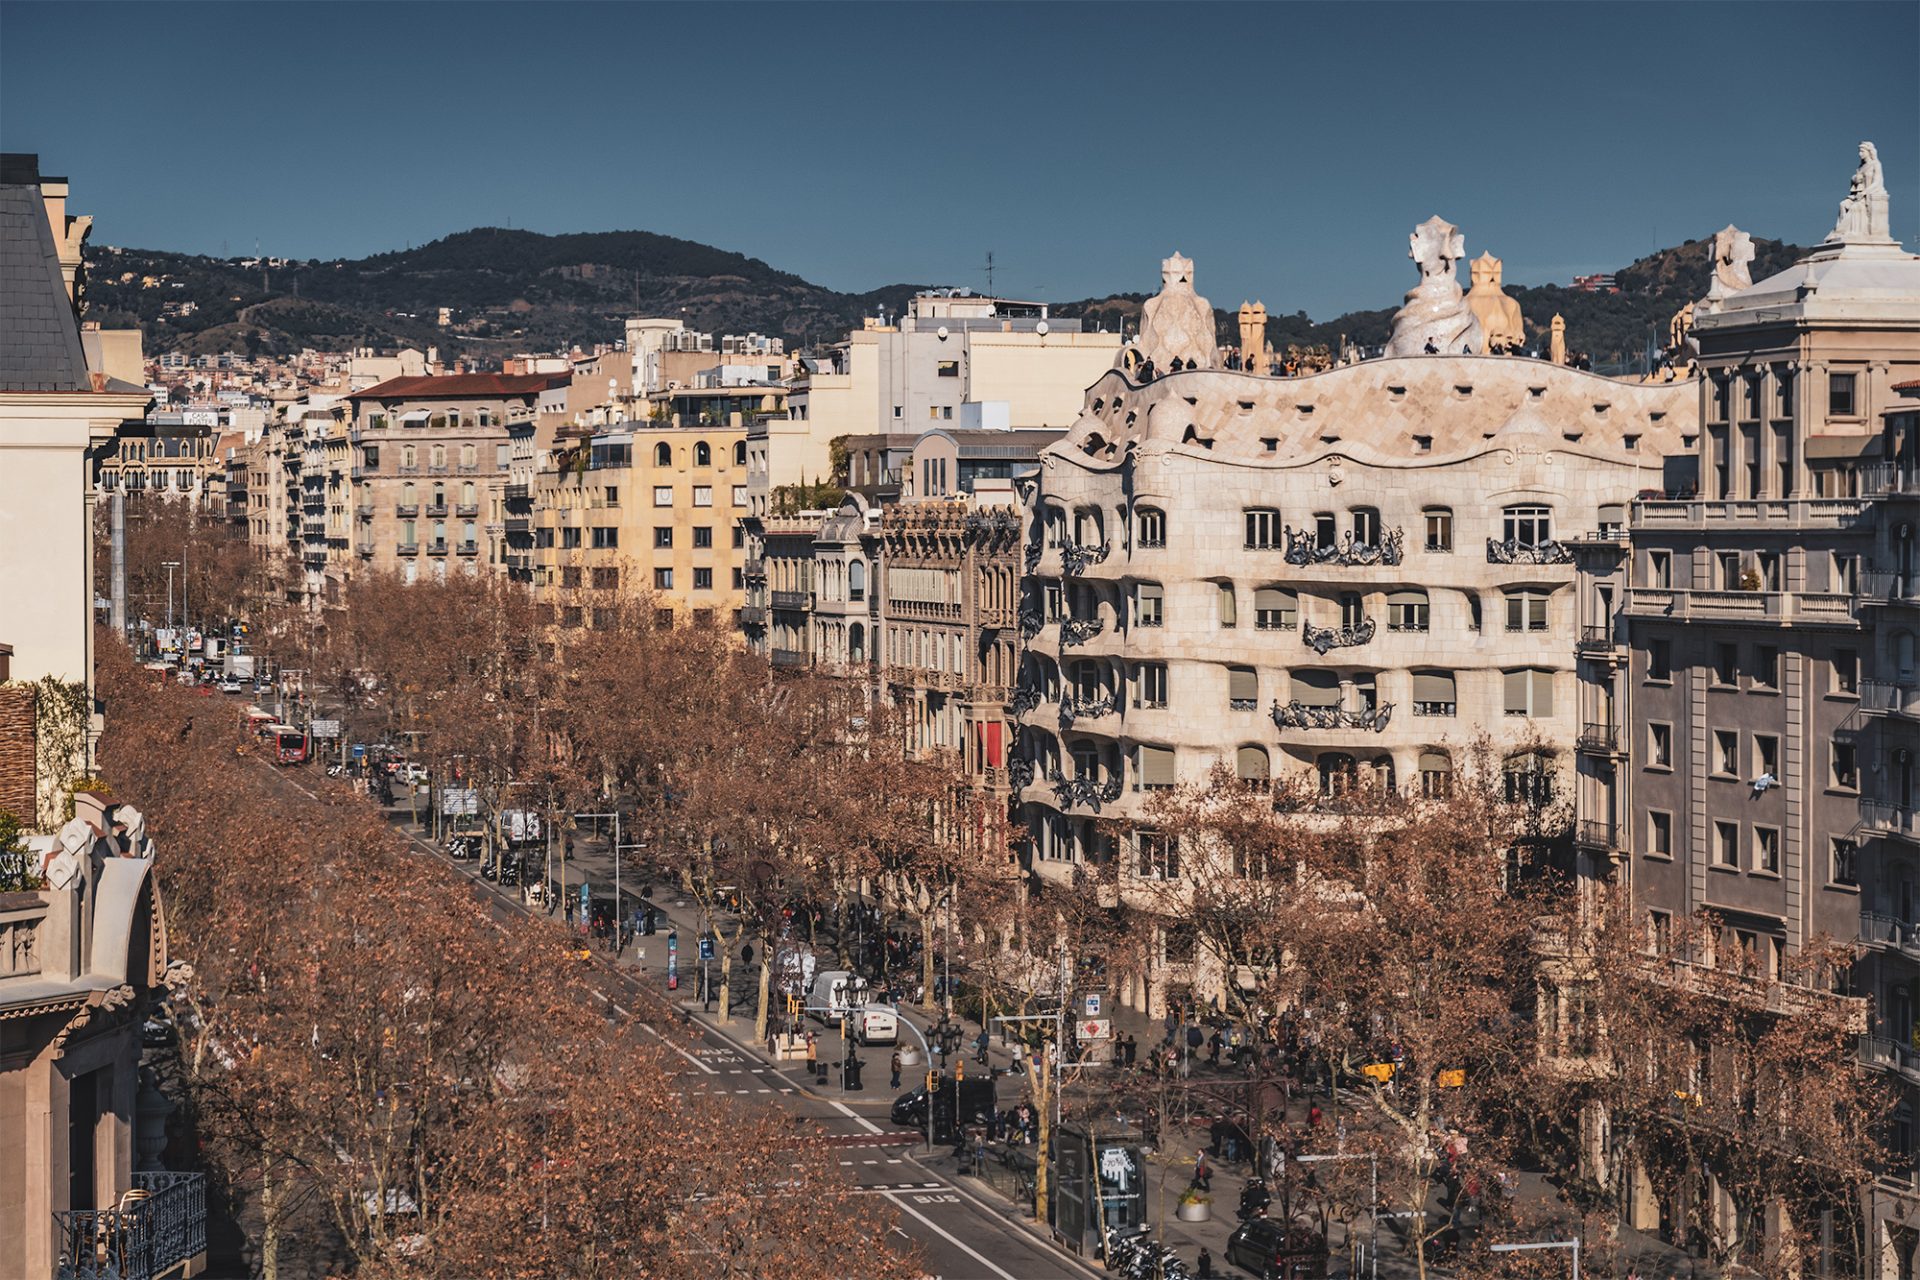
[289,743]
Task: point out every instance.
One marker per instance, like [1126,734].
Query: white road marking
[952,1239]
[859,1119]
[677,1049]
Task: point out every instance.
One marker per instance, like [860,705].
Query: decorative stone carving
[1435,317]
[1864,214]
[1499,316]
[1255,355]
[1557,340]
[1076,559]
[1732,251]
[1177,324]
[1680,330]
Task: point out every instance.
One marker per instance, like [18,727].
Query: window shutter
[1536,612]
[1406,597]
[1435,762]
[1253,764]
[1314,688]
[1516,692]
[1156,766]
[1243,683]
[1612,514]
[1229,608]
[1148,593]
[1542,693]
[1433,686]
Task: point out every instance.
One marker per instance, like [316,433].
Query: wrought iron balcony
[1076,559]
[436,548]
[407,549]
[1513,551]
[436,510]
[792,599]
[1031,621]
[1073,707]
[1599,739]
[1596,639]
[466,509]
[752,615]
[406,510]
[150,1236]
[1020,772]
[789,658]
[1304,549]
[1075,631]
[469,548]
[1594,833]
[1321,639]
[516,493]
[1087,793]
[755,567]
[1031,559]
[1025,699]
[1298,715]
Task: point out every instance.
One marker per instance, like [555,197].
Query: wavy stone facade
[1361,570]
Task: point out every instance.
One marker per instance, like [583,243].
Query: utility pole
[170,566]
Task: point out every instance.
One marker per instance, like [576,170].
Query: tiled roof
[452,386]
[39,333]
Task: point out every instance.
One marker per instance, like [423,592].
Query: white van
[835,992]
[875,1024]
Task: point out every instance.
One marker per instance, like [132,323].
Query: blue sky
[1287,148]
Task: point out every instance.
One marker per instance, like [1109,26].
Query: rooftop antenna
[990,292]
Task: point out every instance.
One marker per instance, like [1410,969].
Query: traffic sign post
[1094,1028]
[673,961]
[1093,1004]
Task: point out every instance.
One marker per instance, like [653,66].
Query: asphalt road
[960,1237]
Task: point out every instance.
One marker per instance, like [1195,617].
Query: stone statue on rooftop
[1499,316]
[1255,354]
[1176,324]
[1732,252]
[1435,317]
[1557,340]
[1863,214]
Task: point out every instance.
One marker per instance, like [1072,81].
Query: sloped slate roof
[460,386]
[39,333]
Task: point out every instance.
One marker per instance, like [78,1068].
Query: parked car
[1275,1250]
[232,685]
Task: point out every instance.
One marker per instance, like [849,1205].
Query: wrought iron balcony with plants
[1513,551]
[1298,715]
[1025,699]
[1076,559]
[1075,631]
[1305,549]
[1074,707]
[1321,639]
[149,1236]
[1085,793]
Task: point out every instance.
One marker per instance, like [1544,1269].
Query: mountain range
[509,291]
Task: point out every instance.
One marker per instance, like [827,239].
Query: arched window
[857,581]
[439,455]
[1436,775]
[663,454]
[1252,767]
[1383,779]
[467,494]
[740,453]
[702,454]
[469,455]
[409,495]
[1152,524]
[439,495]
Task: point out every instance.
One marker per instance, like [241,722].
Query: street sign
[1454,1079]
[706,947]
[325,728]
[1381,1071]
[1094,1028]
[1093,1006]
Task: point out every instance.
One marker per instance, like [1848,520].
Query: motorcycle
[1254,1199]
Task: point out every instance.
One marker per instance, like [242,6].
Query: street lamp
[1573,1244]
[170,566]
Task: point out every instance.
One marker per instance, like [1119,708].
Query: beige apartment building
[1750,692]
[642,509]
[1350,575]
[82,934]
[431,461]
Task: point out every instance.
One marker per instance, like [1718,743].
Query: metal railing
[1596,637]
[160,1224]
[1603,738]
[1304,549]
[1516,552]
[1299,715]
[1596,833]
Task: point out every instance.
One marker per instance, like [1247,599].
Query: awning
[418,415]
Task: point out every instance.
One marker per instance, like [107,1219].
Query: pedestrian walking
[813,1052]
[895,1065]
[1202,1171]
[980,1047]
[1203,1265]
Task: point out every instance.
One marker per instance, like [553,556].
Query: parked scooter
[1254,1199]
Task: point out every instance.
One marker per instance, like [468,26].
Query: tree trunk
[726,985]
[926,953]
[1042,1087]
[766,984]
[270,1225]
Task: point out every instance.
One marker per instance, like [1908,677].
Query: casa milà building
[1352,575]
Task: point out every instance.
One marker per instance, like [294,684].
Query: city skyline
[1306,211]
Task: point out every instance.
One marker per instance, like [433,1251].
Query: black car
[1278,1250]
[976,1106]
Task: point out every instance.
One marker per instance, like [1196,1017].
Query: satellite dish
[942,333]
[1041,328]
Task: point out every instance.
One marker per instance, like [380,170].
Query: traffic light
[959,1072]
[933,1081]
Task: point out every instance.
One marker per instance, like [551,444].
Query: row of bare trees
[392,1082]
